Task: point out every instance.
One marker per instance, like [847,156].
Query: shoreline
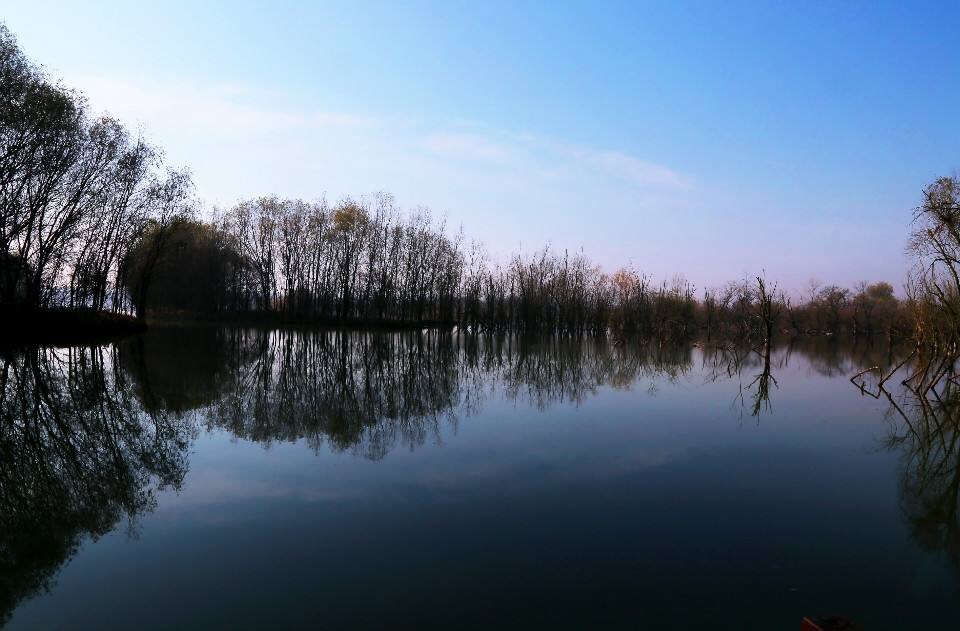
[271,319]
[20,327]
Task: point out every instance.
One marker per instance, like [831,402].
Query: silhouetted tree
[75,190]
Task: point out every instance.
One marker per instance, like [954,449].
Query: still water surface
[213,478]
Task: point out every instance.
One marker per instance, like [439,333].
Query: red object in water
[829,623]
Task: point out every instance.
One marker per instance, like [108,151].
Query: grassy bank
[272,318]
[63,326]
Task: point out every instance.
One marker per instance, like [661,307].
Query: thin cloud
[220,108]
[639,172]
[469,146]
[546,156]
[227,110]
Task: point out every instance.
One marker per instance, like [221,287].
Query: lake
[200,477]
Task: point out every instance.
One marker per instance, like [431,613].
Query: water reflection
[368,393]
[78,454]
[753,368]
[88,436]
[924,427]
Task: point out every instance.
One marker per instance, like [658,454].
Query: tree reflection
[754,368]
[178,369]
[367,393]
[833,356]
[89,435]
[931,474]
[77,455]
[546,371]
[924,417]
[731,361]
[356,391]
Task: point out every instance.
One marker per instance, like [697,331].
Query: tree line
[92,218]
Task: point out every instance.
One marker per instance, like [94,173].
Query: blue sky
[709,139]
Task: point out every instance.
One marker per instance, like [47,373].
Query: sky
[710,139]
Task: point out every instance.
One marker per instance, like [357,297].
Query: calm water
[205,478]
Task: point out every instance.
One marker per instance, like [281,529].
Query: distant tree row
[356,261]
[365,261]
